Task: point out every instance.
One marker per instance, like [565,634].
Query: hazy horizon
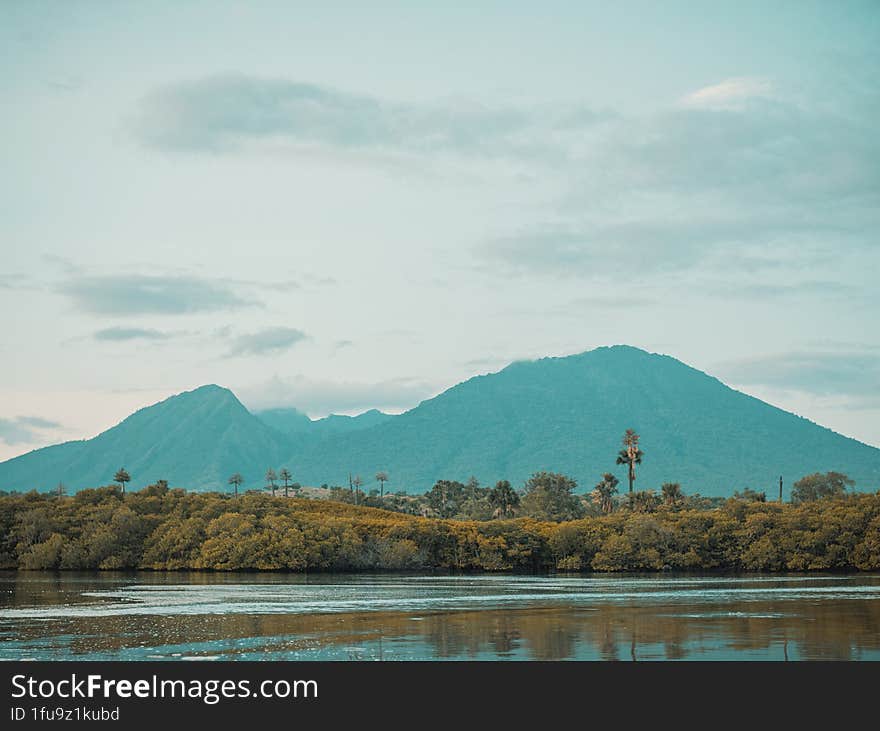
[341,208]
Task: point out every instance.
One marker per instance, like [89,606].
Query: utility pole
[780,488]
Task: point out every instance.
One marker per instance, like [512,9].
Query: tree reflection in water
[775,628]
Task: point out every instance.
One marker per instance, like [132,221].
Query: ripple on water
[446,593]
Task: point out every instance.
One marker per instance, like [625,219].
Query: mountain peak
[564,414]
[210,389]
[210,393]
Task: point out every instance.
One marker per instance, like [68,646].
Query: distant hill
[561,414]
[292,421]
[195,439]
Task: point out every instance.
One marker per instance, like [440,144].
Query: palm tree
[286,477]
[672,494]
[235,481]
[605,491]
[357,482]
[381,478]
[630,455]
[60,490]
[122,477]
[270,478]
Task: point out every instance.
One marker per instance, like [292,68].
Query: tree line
[161,528]
[544,496]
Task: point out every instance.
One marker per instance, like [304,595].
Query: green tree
[750,496]
[357,482]
[473,488]
[604,492]
[672,494]
[381,478]
[549,496]
[285,476]
[503,498]
[235,480]
[644,501]
[446,498]
[122,477]
[271,477]
[817,486]
[630,455]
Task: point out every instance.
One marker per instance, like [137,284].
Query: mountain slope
[568,415]
[195,439]
[561,414]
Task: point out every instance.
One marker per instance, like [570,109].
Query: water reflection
[145,616]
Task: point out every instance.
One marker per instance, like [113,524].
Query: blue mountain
[562,414]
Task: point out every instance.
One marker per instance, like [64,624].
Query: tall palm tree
[235,481]
[630,455]
[122,477]
[672,494]
[381,478]
[270,478]
[605,491]
[286,477]
[357,482]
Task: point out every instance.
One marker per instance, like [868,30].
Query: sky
[338,207]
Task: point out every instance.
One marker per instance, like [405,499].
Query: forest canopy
[169,529]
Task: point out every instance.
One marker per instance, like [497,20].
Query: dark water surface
[143,616]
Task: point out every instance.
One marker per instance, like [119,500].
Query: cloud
[224,113]
[729,94]
[780,290]
[144,294]
[855,373]
[116,334]
[769,155]
[652,245]
[319,397]
[265,342]
[62,263]
[65,84]
[770,185]
[17,281]
[25,429]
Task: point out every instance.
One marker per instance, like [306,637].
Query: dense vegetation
[162,528]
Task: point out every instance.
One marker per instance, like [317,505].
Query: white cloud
[729,94]
[318,397]
[268,341]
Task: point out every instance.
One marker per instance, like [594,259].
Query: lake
[207,616]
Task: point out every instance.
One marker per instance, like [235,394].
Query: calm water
[191,616]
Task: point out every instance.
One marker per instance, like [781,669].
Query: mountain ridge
[559,413]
